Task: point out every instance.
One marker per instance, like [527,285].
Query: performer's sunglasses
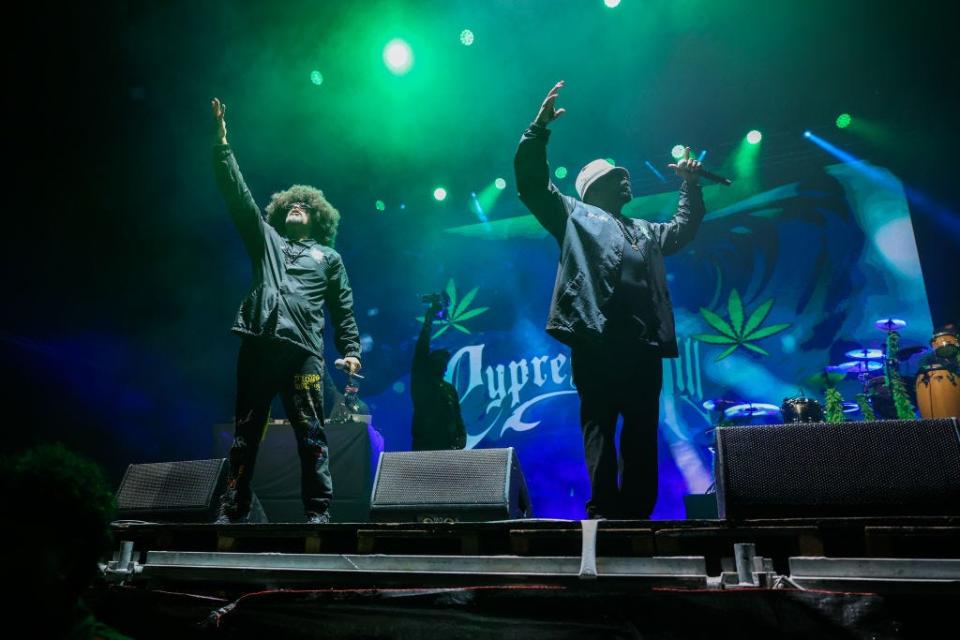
[300,205]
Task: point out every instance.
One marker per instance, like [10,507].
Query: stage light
[316,77]
[678,151]
[366,343]
[654,170]
[380,205]
[943,215]
[486,199]
[478,209]
[844,120]
[611,162]
[745,157]
[398,56]
[612,4]
[440,194]
[560,173]
[466,37]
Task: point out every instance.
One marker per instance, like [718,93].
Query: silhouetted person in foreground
[58,510]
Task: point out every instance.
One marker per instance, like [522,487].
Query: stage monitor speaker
[848,469]
[176,492]
[449,486]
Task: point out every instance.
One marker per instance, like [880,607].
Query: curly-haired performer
[295,271]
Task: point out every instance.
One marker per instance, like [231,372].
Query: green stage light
[613,4]
[560,172]
[380,205]
[611,161]
[500,183]
[316,77]
[844,120]
[440,194]
[678,151]
[398,56]
[466,37]
[754,137]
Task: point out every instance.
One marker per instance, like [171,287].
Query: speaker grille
[169,486]
[443,477]
[862,468]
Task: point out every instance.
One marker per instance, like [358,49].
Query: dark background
[123,272]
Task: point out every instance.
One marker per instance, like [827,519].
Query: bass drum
[938,392]
[801,410]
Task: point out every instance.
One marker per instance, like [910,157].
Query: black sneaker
[318,518]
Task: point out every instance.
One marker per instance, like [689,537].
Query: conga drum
[938,392]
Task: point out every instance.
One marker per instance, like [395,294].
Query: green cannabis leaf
[737,333]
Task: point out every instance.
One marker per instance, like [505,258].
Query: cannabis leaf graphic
[736,333]
[458,312]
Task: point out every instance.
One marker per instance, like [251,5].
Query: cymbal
[752,409]
[718,403]
[890,324]
[856,367]
[850,407]
[865,354]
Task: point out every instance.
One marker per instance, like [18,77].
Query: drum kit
[937,384]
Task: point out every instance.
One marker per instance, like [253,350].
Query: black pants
[265,368]
[613,381]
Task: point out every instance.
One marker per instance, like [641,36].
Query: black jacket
[291,279]
[591,250]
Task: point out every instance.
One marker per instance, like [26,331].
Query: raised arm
[339,301]
[240,203]
[421,351]
[536,191]
[420,369]
[681,229]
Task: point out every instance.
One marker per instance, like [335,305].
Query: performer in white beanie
[611,306]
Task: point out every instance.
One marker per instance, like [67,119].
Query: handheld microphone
[341,364]
[709,175]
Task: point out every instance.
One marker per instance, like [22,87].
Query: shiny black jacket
[292,279]
[591,250]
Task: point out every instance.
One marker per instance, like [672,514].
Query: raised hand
[687,167]
[219,110]
[548,112]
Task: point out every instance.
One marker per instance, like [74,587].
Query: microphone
[709,175]
[341,364]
